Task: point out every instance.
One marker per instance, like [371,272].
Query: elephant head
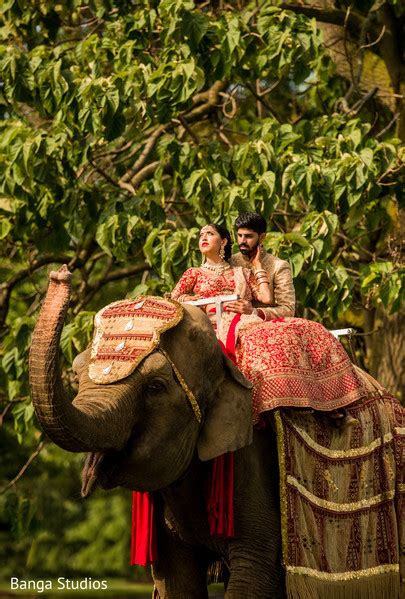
[140,431]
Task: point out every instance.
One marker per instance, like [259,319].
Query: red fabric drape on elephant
[143,539]
[220,482]
[220,497]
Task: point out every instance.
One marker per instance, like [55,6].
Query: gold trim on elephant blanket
[127,331]
[341,492]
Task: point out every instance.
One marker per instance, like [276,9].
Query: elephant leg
[254,557]
[252,578]
[181,570]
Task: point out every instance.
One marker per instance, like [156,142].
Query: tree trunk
[385,351]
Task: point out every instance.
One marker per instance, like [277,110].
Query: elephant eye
[156,386]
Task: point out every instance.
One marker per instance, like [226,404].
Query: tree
[364,38]
[127,125]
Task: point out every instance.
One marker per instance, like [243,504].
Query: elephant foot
[278,593]
[184,594]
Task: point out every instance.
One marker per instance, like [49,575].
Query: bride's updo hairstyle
[224,234]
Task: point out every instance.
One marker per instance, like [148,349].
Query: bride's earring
[222,253]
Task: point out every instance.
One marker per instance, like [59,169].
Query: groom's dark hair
[251,220]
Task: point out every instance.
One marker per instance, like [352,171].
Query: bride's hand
[208,308]
[239,306]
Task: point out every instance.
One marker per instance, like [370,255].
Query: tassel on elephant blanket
[220,497]
[143,538]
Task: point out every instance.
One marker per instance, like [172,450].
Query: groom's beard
[246,251]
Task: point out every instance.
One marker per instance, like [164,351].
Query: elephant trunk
[71,427]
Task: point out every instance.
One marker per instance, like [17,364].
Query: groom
[251,230]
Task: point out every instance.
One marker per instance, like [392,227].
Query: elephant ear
[228,421]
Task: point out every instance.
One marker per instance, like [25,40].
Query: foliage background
[127,125]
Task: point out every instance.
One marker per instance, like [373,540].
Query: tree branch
[355,109]
[138,172]
[388,127]
[5,411]
[262,100]
[150,144]
[24,468]
[334,16]
[188,129]
[120,184]
[356,75]
[148,170]
[122,273]
[7,287]
[229,115]
[108,277]
[210,98]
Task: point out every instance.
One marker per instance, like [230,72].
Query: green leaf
[296,237]
[269,179]
[233,34]
[9,360]
[297,262]
[106,233]
[367,156]
[191,183]
[148,246]
[5,227]
[195,26]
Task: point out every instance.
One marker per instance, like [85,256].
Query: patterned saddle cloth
[293,362]
[127,331]
[342,495]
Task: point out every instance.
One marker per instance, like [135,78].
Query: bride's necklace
[219,268]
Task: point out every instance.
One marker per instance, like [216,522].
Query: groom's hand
[240,306]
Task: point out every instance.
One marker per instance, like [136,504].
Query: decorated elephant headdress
[126,332]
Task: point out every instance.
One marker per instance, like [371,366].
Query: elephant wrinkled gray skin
[143,435]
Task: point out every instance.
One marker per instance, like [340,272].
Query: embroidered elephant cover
[342,497]
[293,362]
[127,331]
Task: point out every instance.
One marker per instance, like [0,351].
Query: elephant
[142,434]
